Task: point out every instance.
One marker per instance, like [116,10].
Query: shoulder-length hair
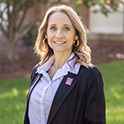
[82,51]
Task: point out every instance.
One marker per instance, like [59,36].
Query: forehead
[59,17]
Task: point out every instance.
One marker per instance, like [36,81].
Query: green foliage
[113,4]
[77,4]
[21,5]
[13,100]
[113,76]
[90,3]
[13,95]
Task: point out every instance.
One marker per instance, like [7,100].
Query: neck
[60,59]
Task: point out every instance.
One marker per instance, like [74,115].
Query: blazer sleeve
[95,100]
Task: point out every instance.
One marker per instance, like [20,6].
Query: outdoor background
[105,36]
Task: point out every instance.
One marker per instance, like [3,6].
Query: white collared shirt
[43,94]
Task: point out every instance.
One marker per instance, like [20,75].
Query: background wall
[111,24]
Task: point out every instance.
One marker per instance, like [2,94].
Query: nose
[59,33]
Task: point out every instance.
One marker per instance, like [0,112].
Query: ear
[76,37]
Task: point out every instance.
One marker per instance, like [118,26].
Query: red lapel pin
[69,81]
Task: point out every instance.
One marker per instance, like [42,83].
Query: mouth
[59,43]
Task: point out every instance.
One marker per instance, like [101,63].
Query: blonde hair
[82,51]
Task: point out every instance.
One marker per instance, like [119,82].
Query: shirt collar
[45,67]
[69,66]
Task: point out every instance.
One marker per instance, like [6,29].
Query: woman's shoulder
[36,66]
[90,71]
[34,70]
[92,68]
[91,76]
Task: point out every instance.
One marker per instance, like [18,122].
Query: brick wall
[85,11]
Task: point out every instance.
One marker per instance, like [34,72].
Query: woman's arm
[95,100]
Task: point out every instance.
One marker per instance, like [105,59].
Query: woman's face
[60,33]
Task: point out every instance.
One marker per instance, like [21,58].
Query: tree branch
[22,20]
[3,30]
[9,17]
[19,36]
[11,20]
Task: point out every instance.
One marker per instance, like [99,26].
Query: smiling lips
[59,43]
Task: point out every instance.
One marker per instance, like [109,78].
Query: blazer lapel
[64,89]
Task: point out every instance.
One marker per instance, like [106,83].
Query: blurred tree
[14,24]
[106,6]
[113,4]
[30,38]
[13,21]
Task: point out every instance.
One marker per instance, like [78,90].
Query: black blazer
[82,102]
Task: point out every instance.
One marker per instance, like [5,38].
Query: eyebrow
[52,25]
[64,25]
[67,25]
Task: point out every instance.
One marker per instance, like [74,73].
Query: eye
[53,28]
[66,29]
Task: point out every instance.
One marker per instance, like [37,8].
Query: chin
[59,50]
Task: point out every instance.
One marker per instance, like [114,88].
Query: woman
[65,87]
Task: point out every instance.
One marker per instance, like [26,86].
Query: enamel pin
[69,81]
